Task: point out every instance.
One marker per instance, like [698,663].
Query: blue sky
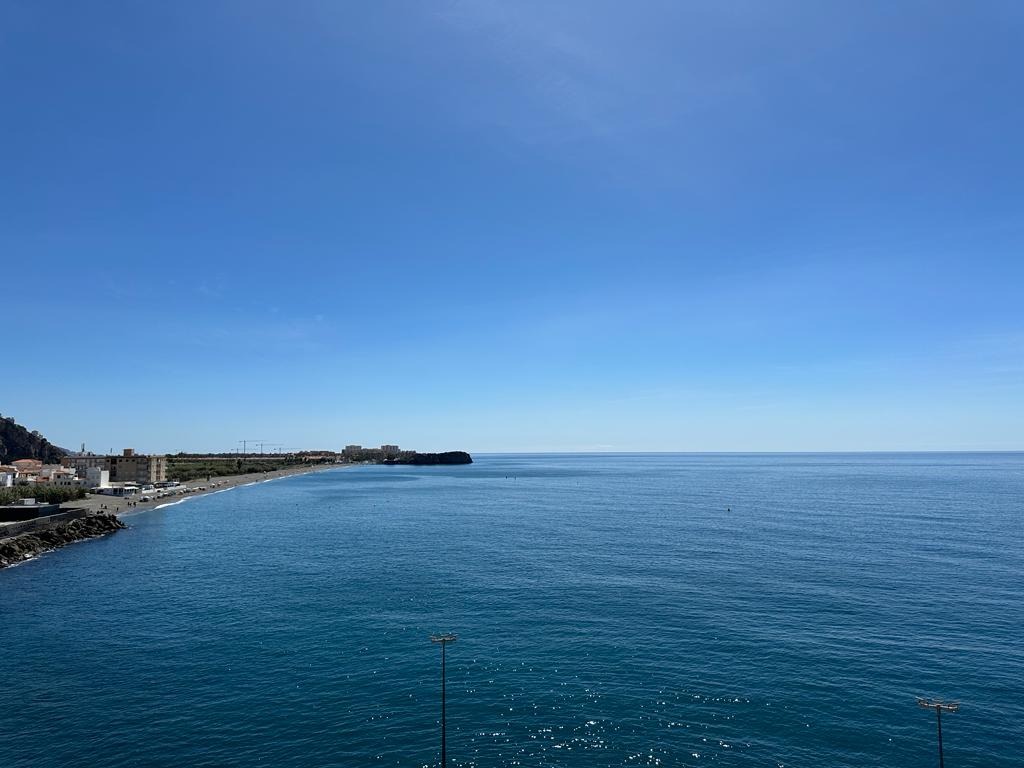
[514,226]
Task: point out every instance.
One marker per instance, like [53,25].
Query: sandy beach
[199,487]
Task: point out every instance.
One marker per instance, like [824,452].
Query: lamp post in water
[443,640]
[939,706]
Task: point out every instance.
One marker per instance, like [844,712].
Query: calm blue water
[676,610]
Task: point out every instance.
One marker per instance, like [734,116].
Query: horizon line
[748,452]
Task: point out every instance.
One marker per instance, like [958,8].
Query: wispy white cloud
[618,72]
[571,82]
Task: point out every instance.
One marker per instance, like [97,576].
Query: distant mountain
[16,442]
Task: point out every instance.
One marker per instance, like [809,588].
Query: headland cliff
[427,459]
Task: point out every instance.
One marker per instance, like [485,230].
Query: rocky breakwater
[28,545]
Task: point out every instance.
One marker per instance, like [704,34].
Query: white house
[95,477]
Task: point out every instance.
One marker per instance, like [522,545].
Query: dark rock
[427,459]
[28,545]
[16,442]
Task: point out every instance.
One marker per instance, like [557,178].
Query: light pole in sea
[443,640]
[939,706]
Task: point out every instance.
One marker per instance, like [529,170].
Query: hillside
[427,459]
[16,442]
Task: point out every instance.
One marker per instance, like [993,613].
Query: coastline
[119,506]
[101,515]
[24,547]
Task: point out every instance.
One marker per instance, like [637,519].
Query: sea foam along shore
[104,511]
[120,506]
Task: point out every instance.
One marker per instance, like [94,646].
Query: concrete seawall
[8,530]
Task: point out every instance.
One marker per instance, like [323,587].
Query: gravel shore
[118,505]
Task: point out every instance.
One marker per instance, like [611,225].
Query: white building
[119,489]
[126,468]
[28,469]
[55,474]
[96,477]
[82,462]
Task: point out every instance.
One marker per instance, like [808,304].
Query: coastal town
[130,473]
[50,496]
[119,475]
[146,477]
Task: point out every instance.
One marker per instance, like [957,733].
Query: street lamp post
[443,640]
[938,705]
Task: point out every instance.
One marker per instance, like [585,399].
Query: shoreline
[25,547]
[118,505]
[101,515]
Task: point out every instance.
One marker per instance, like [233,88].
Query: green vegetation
[41,493]
[194,469]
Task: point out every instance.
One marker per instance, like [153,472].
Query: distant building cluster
[356,453]
[129,472]
[125,472]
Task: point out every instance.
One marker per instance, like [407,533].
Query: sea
[781,610]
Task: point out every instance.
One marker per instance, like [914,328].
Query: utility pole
[938,705]
[443,640]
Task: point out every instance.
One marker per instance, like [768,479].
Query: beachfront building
[118,489]
[138,468]
[129,467]
[96,478]
[351,451]
[390,451]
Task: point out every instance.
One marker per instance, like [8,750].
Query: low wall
[7,530]
[59,533]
